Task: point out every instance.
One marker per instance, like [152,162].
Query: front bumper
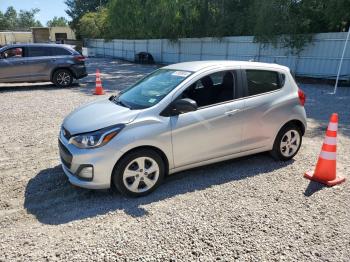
[101,159]
[75,180]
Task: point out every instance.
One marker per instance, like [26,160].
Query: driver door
[215,129]
[13,65]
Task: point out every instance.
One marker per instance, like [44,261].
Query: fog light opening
[86,172]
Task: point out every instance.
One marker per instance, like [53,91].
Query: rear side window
[57,51]
[34,51]
[262,81]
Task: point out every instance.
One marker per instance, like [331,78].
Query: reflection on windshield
[153,88]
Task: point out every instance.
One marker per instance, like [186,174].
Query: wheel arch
[60,68]
[297,123]
[156,149]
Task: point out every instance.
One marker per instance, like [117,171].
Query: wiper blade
[119,102]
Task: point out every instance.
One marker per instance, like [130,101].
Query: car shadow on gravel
[20,87]
[53,200]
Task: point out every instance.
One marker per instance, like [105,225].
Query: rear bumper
[79,71]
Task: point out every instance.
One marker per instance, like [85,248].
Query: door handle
[232,112]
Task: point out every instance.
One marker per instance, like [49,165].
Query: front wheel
[138,173]
[287,143]
[62,78]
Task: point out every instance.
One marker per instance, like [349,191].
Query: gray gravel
[248,209]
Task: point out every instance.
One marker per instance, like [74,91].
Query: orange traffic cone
[99,89]
[325,171]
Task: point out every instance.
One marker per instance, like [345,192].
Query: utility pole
[341,62]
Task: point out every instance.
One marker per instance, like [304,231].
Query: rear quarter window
[262,81]
[57,51]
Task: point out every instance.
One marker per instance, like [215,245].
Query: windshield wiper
[117,101]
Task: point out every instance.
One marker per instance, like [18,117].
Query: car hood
[96,115]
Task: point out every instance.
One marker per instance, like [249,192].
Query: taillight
[302,97]
[80,58]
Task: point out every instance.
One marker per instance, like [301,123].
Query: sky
[48,8]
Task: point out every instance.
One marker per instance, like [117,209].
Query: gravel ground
[248,209]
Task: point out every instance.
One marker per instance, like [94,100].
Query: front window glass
[13,53]
[213,89]
[153,88]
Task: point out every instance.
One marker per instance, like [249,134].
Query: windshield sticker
[152,100]
[181,73]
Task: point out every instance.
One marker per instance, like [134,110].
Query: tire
[287,143]
[62,78]
[129,176]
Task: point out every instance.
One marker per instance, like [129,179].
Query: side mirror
[181,106]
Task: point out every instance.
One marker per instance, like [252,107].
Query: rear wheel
[138,173]
[62,78]
[287,143]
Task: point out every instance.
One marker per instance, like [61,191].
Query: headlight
[97,138]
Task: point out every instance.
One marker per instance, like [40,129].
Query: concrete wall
[67,30]
[319,59]
[15,37]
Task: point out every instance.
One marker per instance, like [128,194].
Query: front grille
[66,156]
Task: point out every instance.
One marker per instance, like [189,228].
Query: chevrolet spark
[179,117]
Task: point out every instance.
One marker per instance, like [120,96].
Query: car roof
[196,66]
[37,45]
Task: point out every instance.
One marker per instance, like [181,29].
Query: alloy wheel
[290,143]
[141,174]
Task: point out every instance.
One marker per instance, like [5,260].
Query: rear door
[39,59]
[263,110]
[12,65]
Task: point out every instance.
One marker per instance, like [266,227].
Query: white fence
[319,59]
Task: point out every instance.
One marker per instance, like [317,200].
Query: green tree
[78,8]
[92,24]
[57,21]
[11,18]
[288,22]
[24,20]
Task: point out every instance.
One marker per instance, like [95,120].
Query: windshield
[151,89]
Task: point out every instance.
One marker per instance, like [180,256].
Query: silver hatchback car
[179,117]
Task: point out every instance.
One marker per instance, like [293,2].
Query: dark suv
[59,64]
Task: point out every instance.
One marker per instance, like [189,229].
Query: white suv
[179,117]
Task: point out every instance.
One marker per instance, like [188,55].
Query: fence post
[227,47]
[134,49]
[296,64]
[122,49]
[161,50]
[104,48]
[201,50]
[179,55]
[113,48]
[259,52]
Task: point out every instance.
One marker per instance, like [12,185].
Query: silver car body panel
[214,133]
